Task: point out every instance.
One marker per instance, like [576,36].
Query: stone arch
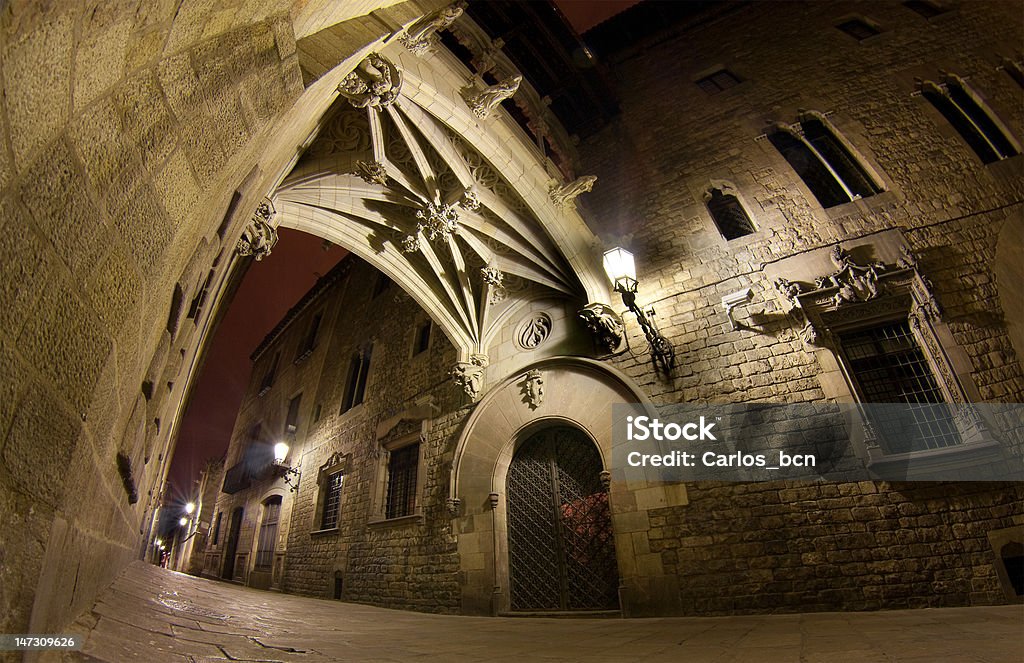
[580,393]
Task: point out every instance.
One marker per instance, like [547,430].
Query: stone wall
[776,546]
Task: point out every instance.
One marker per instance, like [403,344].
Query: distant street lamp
[190,507]
[183,521]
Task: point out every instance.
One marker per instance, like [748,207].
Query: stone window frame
[942,89]
[903,293]
[338,462]
[378,514]
[730,189]
[711,80]
[357,377]
[796,130]
[310,338]
[415,351]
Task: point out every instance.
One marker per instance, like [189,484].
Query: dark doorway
[561,549]
[231,545]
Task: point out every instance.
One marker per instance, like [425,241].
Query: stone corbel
[565,196]
[492,501]
[453,504]
[422,34]
[484,101]
[259,237]
[469,375]
[604,324]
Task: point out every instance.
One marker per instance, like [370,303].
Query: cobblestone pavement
[150,614]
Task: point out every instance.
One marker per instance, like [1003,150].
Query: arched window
[975,123]
[728,214]
[823,162]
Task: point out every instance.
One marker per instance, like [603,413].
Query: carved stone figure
[374,83]
[485,101]
[372,172]
[259,237]
[605,325]
[423,33]
[411,243]
[533,388]
[563,196]
[469,200]
[789,289]
[453,504]
[855,283]
[470,374]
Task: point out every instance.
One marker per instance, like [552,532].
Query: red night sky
[268,290]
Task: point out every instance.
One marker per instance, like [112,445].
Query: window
[422,341]
[859,28]
[309,343]
[291,423]
[216,528]
[316,413]
[355,386]
[823,162]
[268,377]
[729,216]
[723,79]
[977,125]
[1014,70]
[381,285]
[403,466]
[925,8]
[331,500]
[268,533]
[888,366]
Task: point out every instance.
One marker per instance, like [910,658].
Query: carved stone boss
[374,83]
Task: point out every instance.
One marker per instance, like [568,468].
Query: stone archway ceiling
[395,184]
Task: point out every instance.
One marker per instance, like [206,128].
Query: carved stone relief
[532,387]
[604,324]
[484,101]
[565,196]
[533,331]
[259,237]
[375,82]
[372,172]
[423,33]
[470,375]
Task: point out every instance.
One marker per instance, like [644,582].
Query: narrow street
[154,615]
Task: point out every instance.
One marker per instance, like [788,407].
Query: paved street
[155,615]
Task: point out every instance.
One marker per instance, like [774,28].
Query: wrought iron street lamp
[621,269]
[289,473]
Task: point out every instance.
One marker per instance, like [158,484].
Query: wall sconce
[284,470]
[619,265]
[732,300]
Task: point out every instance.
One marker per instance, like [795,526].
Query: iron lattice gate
[561,551]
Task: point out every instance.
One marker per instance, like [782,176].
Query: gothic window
[403,467]
[975,123]
[720,80]
[421,342]
[331,500]
[888,366]
[291,423]
[268,533]
[823,162]
[355,385]
[309,342]
[859,28]
[268,377]
[729,216]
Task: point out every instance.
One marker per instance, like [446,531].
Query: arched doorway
[560,544]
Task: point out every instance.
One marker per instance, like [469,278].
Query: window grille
[889,367]
[332,501]
[403,465]
[729,216]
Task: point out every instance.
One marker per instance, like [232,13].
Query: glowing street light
[183,521]
[280,452]
[190,507]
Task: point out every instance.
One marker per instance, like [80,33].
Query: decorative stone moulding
[423,33]
[565,196]
[437,221]
[492,276]
[533,331]
[486,100]
[375,83]
[532,386]
[469,200]
[259,237]
[604,324]
[889,289]
[470,375]
[372,172]
[453,504]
